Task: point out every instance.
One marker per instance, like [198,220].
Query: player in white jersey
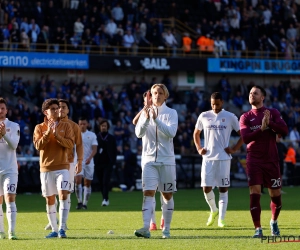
[9,139]
[90,144]
[157,127]
[217,125]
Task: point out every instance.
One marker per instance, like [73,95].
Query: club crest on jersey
[223,119]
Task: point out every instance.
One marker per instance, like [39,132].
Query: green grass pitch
[88,228]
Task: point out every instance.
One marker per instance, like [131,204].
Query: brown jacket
[53,149]
[78,141]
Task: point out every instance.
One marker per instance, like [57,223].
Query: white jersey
[217,129]
[88,139]
[8,145]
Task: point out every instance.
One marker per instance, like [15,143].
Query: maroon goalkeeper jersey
[261,145]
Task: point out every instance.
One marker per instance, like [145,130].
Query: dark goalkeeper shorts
[264,173]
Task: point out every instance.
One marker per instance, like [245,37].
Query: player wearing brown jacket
[53,138]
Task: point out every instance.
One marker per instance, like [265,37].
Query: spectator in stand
[186,43]
[43,39]
[238,100]
[15,39]
[78,27]
[128,40]
[170,41]
[74,4]
[225,87]
[24,39]
[294,137]
[111,27]
[33,36]
[58,39]
[24,25]
[220,47]
[118,133]
[290,161]
[117,13]
[87,40]
[38,14]
[65,4]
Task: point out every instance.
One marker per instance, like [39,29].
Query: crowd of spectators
[221,27]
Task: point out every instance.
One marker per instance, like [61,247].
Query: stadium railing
[135,50]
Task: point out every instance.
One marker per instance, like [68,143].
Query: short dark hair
[83,118]
[262,90]
[105,121]
[216,96]
[65,101]
[2,100]
[48,102]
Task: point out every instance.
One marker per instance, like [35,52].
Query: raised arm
[136,118]
[277,124]
[141,127]
[13,138]
[40,140]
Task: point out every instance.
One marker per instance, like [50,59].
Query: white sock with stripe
[223,202]
[51,214]
[63,213]
[168,209]
[78,191]
[210,199]
[147,210]
[86,194]
[11,214]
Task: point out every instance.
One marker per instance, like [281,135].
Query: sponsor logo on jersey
[220,127]
[255,127]
[8,129]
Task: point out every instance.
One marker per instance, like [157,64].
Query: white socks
[63,213]
[86,194]
[223,202]
[1,219]
[168,209]
[11,214]
[51,214]
[210,199]
[147,210]
[153,220]
[78,191]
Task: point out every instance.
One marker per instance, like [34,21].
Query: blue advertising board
[253,66]
[44,60]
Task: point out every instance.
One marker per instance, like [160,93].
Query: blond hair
[163,87]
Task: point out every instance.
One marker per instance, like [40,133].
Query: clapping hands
[2,129]
[149,109]
[265,120]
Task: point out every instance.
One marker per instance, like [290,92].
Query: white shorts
[72,175]
[8,183]
[157,175]
[215,173]
[87,171]
[54,181]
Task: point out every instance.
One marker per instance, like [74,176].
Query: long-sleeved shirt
[157,135]
[261,145]
[8,145]
[53,149]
